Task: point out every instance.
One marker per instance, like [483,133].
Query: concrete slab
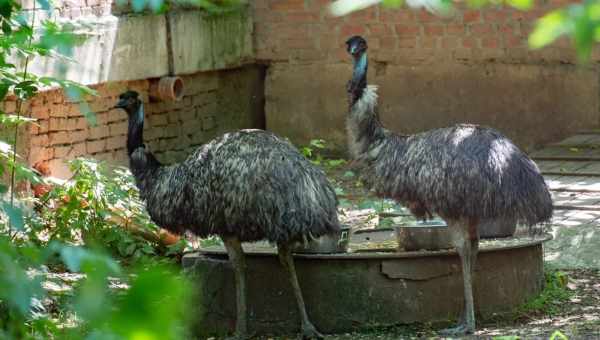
[135,47]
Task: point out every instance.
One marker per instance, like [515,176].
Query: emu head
[129,101]
[356,46]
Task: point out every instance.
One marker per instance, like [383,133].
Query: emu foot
[461,329]
[310,332]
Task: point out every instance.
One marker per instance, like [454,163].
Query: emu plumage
[247,185]
[465,173]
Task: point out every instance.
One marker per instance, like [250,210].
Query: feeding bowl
[326,244]
[423,235]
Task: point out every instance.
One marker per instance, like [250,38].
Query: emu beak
[120,105]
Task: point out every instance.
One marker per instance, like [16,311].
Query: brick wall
[301,31]
[474,66]
[172,129]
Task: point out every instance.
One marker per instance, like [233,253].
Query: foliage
[151,308]
[98,205]
[52,232]
[551,299]
[313,151]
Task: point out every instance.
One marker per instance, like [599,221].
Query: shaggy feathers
[250,184]
[463,171]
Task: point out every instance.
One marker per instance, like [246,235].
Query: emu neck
[135,133]
[365,132]
[358,83]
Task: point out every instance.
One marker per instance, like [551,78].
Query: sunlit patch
[462,134]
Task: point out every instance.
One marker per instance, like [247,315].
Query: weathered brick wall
[302,31]
[474,66]
[172,129]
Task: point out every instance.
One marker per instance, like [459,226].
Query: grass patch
[551,300]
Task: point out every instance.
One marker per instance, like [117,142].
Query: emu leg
[236,256]
[309,331]
[466,240]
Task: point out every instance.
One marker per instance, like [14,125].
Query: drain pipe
[171,86]
[167,88]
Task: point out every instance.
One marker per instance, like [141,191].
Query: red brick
[397,16]
[490,42]
[62,151]
[117,129]
[300,42]
[41,126]
[470,16]
[518,15]
[72,110]
[481,29]
[388,42]
[468,42]
[39,140]
[363,16]
[57,110]
[349,30]
[98,132]
[380,29]
[78,150]
[158,120]
[39,154]
[408,29]
[101,118]
[449,42]
[511,40]
[101,104]
[55,138]
[116,115]
[407,42]
[77,123]
[116,142]
[96,146]
[455,29]
[287,5]
[434,30]
[10,106]
[40,112]
[425,16]
[78,136]
[498,15]
[173,130]
[57,124]
[301,17]
[429,42]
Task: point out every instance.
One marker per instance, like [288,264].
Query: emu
[464,173]
[243,186]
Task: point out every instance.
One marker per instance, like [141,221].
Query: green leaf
[393,3]
[549,28]
[15,215]
[522,5]
[6,8]
[349,174]
[3,90]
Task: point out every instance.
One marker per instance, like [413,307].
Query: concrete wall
[472,67]
[214,103]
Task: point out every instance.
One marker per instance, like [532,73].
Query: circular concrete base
[345,292]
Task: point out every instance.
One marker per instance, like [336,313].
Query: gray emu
[463,173]
[244,186]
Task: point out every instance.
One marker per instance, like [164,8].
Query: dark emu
[244,186]
[463,173]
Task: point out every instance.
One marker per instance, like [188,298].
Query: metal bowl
[429,235]
[326,244]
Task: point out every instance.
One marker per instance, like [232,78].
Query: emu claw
[310,332]
[460,329]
